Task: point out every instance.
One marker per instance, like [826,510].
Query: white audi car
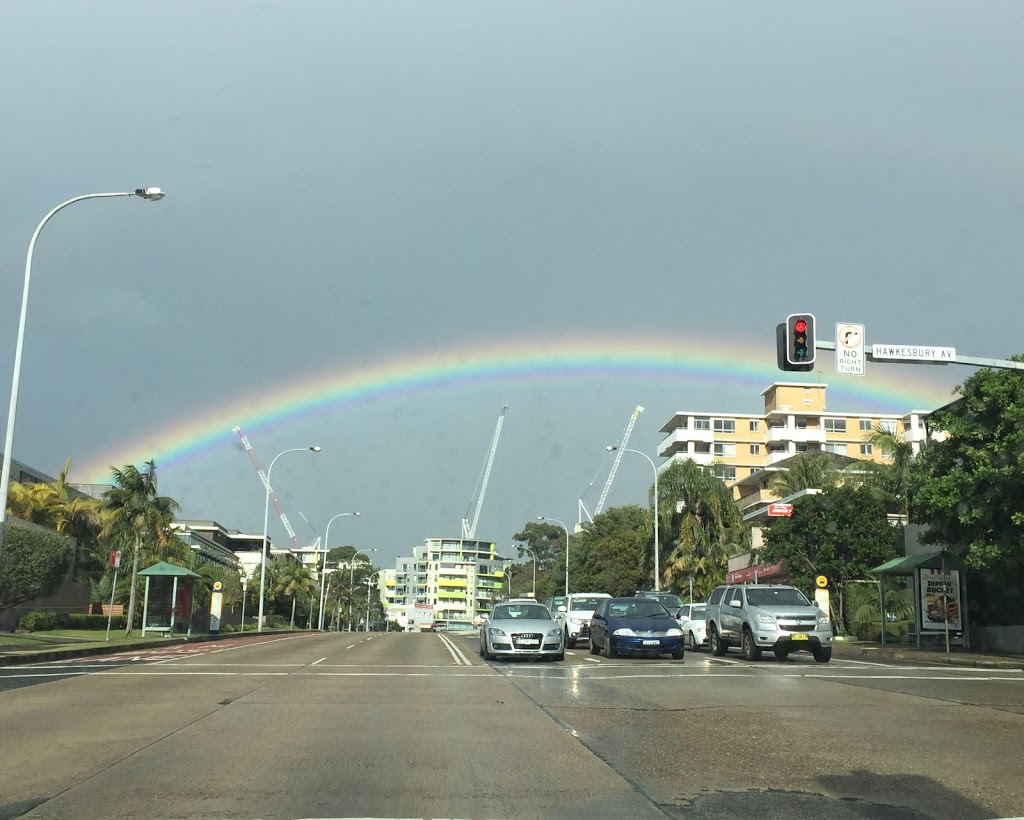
[521,630]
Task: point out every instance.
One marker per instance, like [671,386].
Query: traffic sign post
[115,562]
[850,349]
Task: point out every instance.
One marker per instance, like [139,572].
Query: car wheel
[823,655]
[677,654]
[751,651]
[693,642]
[718,647]
[570,643]
[781,652]
[593,647]
[560,656]
[608,651]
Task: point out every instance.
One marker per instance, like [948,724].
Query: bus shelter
[940,594]
[167,605]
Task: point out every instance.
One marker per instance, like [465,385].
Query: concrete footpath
[866,650]
[20,657]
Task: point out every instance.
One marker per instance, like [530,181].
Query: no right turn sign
[850,356]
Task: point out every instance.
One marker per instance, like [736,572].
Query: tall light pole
[368,599]
[534,556]
[323,569]
[543,518]
[657,556]
[151,194]
[351,579]
[266,520]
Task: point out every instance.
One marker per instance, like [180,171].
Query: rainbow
[670,358]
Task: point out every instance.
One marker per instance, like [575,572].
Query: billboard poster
[940,598]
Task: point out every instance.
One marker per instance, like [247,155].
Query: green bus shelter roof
[906,565]
[163,569]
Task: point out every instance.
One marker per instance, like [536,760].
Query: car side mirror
[735,603]
[561,609]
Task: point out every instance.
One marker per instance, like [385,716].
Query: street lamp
[534,556]
[323,569]
[266,520]
[151,194]
[543,518]
[657,561]
[351,579]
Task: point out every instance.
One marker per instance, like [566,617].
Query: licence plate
[529,643]
[652,643]
[798,636]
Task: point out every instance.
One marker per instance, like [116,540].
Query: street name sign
[850,356]
[914,353]
[780,510]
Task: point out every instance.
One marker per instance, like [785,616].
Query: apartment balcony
[776,456]
[755,499]
[801,435]
[458,583]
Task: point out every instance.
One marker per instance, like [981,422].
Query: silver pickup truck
[756,617]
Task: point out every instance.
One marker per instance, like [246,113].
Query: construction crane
[618,457]
[266,483]
[469,529]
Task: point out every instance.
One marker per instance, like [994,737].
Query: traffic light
[795,342]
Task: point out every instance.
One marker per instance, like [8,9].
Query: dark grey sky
[354,183]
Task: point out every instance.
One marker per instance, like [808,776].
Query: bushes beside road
[45,621]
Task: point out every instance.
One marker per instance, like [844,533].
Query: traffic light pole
[971,361]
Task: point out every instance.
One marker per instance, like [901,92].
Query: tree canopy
[34,564]
[608,556]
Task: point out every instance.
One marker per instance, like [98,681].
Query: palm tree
[805,471]
[895,475]
[701,518]
[139,515]
[34,503]
[292,579]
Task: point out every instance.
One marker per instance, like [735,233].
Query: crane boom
[468,529]
[266,483]
[618,458]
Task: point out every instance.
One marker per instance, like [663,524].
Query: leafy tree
[547,541]
[842,532]
[138,517]
[609,555]
[337,555]
[34,565]
[805,471]
[703,525]
[894,477]
[292,580]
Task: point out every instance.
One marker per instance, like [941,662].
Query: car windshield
[584,604]
[534,612]
[776,597]
[669,600]
[638,608]
[698,613]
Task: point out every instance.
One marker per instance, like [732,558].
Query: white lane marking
[319,661]
[592,660]
[46,675]
[258,643]
[350,646]
[721,660]
[456,653]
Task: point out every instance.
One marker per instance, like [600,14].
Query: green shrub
[38,621]
[76,620]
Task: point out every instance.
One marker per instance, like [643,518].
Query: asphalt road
[395,725]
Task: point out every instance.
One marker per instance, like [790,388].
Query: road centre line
[351,646]
[314,663]
[456,653]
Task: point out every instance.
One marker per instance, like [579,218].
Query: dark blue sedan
[640,625]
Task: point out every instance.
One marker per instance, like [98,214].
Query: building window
[801,423]
[801,448]
[755,449]
[725,450]
[702,423]
[888,426]
[724,473]
[866,449]
[755,425]
[725,426]
[865,425]
[835,425]
[838,449]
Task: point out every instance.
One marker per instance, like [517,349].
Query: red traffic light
[800,326]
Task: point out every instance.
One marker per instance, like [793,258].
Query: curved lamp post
[151,194]
[544,518]
[657,562]
[266,521]
[323,568]
[351,578]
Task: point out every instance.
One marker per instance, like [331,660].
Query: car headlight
[554,633]
[577,621]
[495,631]
[824,619]
[674,633]
[625,632]
[763,618]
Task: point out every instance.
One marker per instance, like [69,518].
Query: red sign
[115,558]
[755,573]
[783,510]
